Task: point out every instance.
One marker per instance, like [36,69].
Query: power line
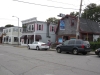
[62,2]
[44,5]
[7,19]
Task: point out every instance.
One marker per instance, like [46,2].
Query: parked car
[38,46]
[74,46]
[97,52]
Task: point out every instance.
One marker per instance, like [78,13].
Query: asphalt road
[21,61]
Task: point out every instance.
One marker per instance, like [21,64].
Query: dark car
[97,52]
[74,46]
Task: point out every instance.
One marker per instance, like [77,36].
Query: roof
[86,26]
[1,28]
[89,26]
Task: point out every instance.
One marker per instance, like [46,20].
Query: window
[29,28]
[52,28]
[4,39]
[15,39]
[40,27]
[66,43]
[32,27]
[9,39]
[72,42]
[78,42]
[9,30]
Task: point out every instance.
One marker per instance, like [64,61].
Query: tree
[92,12]
[52,20]
[9,25]
[74,14]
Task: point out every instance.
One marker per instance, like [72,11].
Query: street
[21,61]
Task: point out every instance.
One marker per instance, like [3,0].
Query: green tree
[52,20]
[74,13]
[92,12]
[9,25]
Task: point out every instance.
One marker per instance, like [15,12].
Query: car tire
[59,50]
[37,48]
[99,54]
[28,47]
[75,51]
[84,53]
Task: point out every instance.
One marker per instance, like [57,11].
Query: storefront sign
[62,25]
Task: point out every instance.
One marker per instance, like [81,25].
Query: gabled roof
[86,26]
[89,26]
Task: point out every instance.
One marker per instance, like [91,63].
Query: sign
[60,40]
[62,25]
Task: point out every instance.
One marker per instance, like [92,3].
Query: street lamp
[18,29]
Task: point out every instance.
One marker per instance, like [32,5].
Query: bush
[94,45]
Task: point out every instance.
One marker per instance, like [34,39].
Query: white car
[38,46]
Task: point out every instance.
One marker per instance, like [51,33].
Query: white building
[43,32]
[11,35]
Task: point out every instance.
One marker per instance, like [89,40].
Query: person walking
[49,43]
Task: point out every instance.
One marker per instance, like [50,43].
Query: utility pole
[78,21]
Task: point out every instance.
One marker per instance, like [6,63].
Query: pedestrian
[49,43]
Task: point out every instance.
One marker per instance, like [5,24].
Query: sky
[23,11]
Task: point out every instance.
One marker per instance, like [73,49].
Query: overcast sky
[9,8]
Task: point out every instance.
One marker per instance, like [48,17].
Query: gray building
[38,29]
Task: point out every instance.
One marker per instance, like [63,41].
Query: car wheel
[59,50]
[99,54]
[84,53]
[75,52]
[37,48]
[28,47]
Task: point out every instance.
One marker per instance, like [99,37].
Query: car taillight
[82,46]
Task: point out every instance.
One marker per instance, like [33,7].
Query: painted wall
[12,33]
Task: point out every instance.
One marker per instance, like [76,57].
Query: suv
[74,46]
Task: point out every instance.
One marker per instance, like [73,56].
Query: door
[65,46]
[71,45]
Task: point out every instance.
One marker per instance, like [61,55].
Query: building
[38,29]
[66,29]
[1,34]
[11,35]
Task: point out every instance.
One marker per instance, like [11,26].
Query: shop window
[15,39]
[9,39]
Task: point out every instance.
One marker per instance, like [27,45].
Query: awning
[32,37]
[23,37]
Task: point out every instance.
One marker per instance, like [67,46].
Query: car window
[78,42]
[35,43]
[71,42]
[85,42]
[66,42]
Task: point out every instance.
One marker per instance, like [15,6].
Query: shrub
[94,45]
